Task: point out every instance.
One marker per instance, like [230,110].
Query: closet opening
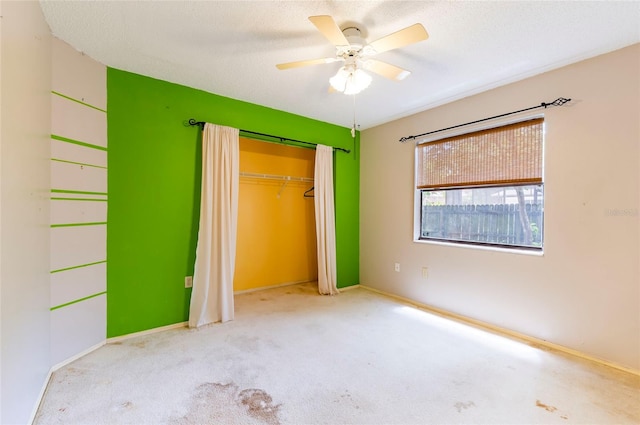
[276,236]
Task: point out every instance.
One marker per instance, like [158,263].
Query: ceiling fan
[356,54]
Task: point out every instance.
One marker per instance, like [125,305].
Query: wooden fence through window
[493,224]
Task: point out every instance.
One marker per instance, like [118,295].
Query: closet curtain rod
[558,102]
[201,124]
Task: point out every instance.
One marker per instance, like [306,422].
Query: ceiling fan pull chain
[353,129]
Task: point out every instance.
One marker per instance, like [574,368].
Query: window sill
[534,253]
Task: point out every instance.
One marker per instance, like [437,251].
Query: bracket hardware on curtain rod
[558,102]
[201,124]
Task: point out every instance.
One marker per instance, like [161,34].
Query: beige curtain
[212,294]
[325,220]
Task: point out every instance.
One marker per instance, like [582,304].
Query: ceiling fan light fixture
[350,81]
[339,81]
[402,75]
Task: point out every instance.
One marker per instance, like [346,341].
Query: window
[483,187]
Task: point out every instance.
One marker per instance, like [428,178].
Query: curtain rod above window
[558,102]
[280,139]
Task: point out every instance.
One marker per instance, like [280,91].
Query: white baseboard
[348,288]
[503,331]
[77,356]
[53,368]
[43,391]
[147,332]
[280,285]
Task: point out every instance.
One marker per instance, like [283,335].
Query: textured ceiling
[231,47]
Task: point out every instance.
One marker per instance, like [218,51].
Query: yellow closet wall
[276,233]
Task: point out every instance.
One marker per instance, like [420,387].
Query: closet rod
[558,102]
[276,177]
[201,124]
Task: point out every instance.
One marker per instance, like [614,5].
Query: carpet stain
[346,398]
[122,406]
[545,406]
[69,373]
[215,403]
[260,405]
[460,406]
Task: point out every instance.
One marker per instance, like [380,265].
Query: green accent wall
[154,184]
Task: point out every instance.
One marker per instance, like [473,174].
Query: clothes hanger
[306,193]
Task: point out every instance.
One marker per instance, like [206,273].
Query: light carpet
[294,357]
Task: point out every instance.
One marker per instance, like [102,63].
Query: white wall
[78,202]
[25,111]
[584,292]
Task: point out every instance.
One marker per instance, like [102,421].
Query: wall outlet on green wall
[188,281]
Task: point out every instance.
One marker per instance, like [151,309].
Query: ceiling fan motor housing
[356,42]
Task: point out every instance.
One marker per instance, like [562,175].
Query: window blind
[510,154]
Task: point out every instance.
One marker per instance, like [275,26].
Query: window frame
[417,216]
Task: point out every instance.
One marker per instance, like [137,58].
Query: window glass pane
[500,215]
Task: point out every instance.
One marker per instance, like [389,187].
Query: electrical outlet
[425,272]
[188,281]
[397,267]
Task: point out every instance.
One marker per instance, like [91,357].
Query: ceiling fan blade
[328,27]
[404,37]
[298,64]
[389,71]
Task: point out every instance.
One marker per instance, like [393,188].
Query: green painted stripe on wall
[77,142]
[77,101]
[77,301]
[78,267]
[79,199]
[78,163]
[79,192]
[78,224]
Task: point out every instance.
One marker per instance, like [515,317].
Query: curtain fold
[325,220]
[212,293]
